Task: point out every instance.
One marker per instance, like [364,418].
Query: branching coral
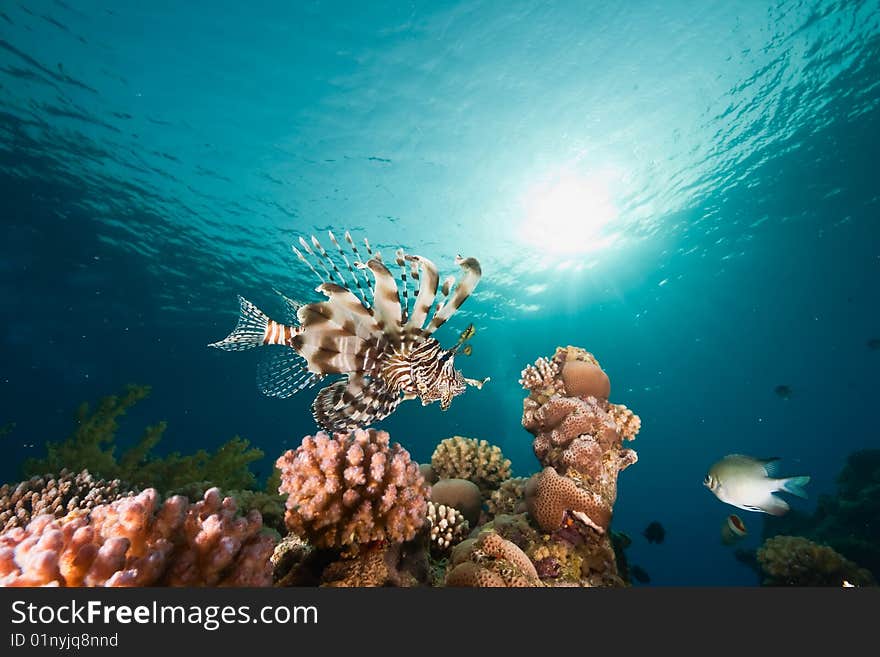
[446,526]
[19,503]
[472,459]
[352,488]
[491,561]
[135,541]
[93,445]
[797,561]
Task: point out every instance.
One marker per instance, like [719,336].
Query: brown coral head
[548,568]
[549,496]
[491,561]
[585,379]
[352,488]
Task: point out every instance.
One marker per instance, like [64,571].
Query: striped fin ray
[404,306]
[282,374]
[386,300]
[353,402]
[354,277]
[463,289]
[249,332]
[445,288]
[327,276]
[357,255]
[320,249]
[427,291]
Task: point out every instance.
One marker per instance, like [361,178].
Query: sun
[570,214]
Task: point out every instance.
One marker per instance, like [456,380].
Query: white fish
[749,483]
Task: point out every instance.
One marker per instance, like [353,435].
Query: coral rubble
[136,541]
[352,488]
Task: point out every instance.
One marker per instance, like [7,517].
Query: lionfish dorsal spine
[404,306]
[354,277]
[307,263]
[326,256]
[357,255]
[427,291]
[463,289]
[327,275]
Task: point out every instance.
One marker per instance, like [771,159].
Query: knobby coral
[58,495]
[468,458]
[446,526]
[135,541]
[352,488]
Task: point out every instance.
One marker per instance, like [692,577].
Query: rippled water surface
[688,190]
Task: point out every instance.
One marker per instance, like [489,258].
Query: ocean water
[689,192]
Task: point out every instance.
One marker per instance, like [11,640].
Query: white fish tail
[250,332]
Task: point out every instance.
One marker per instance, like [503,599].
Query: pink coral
[137,542]
[352,488]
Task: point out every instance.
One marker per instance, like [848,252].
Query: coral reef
[579,439]
[352,488]
[446,526]
[472,459]
[849,520]
[135,541]
[509,498]
[93,446]
[797,561]
[491,561]
[380,564]
[58,495]
[461,494]
[269,504]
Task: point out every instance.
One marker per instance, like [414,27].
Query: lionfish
[382,346]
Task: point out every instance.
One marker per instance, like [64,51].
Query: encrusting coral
[93,446]
[491,561]
[468,458]
[58,495]
[797,561]
[135,541]
[352,488]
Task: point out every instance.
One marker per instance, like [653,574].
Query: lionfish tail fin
[250,330]
[351,403]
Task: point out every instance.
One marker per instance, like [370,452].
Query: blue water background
[156,160]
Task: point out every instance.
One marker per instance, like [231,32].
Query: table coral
[352,488]
[468,458]
[135,541]
[58,495]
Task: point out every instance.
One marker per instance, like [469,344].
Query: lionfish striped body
[382,346]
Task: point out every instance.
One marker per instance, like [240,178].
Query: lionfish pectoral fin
[477,383]
[283,373]
[472,272]
[353,402]
[249,332]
